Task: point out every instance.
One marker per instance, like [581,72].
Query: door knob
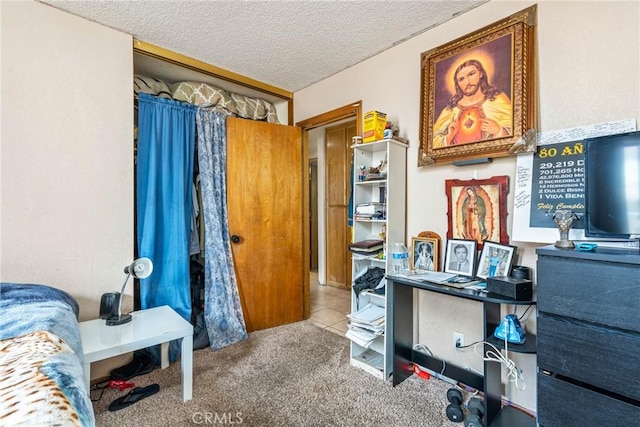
[235,238]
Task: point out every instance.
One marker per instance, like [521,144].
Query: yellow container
[374,124]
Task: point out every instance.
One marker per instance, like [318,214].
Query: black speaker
[521,272]
[109,305]
[514,288]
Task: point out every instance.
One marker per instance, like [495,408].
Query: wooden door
[338,169]
[265,198]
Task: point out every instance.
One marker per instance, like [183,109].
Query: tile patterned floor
[329,306]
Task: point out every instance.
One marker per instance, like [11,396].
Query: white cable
[440,375]
[469,368]
[514,374]
[423,348]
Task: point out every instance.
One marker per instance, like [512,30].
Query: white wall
[588,72]
[67,153]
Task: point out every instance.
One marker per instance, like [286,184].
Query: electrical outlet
[458,340]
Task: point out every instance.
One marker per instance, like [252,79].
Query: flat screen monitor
[612,186]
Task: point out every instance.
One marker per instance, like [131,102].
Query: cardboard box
[374,124]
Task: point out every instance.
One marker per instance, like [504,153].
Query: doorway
[313,215]
[314,136]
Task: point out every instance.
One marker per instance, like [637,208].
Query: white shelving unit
[391,189]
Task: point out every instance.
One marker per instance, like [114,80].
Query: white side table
[149,327]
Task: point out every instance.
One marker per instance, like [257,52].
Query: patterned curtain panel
[166,144]
[223,311]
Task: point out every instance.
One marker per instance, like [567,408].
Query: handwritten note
[523,185]
[583,132]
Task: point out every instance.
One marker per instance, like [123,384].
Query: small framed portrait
[424,251]
[478,93]
[477,209]
[461,257]
[495,260]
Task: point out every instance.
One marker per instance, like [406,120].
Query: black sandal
[133,396]
[141,364]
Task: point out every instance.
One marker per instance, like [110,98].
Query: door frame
[353,110]
[313,214]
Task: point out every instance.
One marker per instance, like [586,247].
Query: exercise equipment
[475,413]
[454,409]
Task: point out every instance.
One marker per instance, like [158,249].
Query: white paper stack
[371,210]
[366,325]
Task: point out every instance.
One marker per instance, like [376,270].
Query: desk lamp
[141,268]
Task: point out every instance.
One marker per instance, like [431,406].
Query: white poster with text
[552,179]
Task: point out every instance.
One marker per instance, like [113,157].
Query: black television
[612,186]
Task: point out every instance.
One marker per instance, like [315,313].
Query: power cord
[468,345]
[495,355]
[101,387]
[115,384]
[515,308]
[424,349]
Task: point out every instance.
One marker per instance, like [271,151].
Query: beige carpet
[293,375]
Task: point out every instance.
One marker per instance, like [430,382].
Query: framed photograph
[495,260]
[424,253]
[461,257]
[477,209]
[478,93]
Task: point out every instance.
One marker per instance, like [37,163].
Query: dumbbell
[475,407]
[454,409]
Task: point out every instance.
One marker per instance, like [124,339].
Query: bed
[41,376]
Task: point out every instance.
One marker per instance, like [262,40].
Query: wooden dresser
[588,337]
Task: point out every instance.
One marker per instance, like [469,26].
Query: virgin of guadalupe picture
[476,213]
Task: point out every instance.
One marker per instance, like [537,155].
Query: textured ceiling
[288,44]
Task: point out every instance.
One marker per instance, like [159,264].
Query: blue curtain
[166,143]
[223,310]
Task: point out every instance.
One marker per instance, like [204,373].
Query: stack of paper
[433,276]
[369,208]
[366,325]
[373,210]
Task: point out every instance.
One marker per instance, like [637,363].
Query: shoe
[133,396]
[141,364]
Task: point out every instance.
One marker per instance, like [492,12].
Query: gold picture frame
[478,93]
[425,253]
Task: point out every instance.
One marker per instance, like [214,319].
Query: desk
[149,327]
[400,298]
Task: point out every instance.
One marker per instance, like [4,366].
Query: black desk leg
[492,370]
[402,301]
